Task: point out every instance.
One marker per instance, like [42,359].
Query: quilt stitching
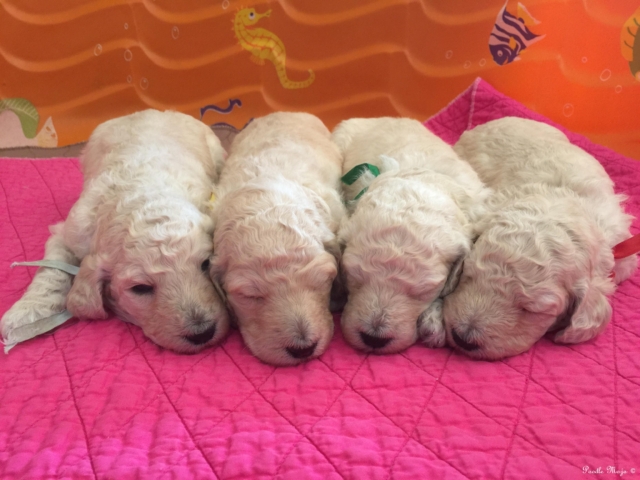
[26,429]
[489,417]
[618,374]
[75,404]
[472,405]
[441,122]
[452,105]
[305,435]
[414,438]
[168,385]
[627,331]
[235,408]
[24,251]
[84,385]
[410,437]
[403,354]
[601,364]
[543,387]
[164,392]
[525,389]
[53,198]
[424,407]
[28,367]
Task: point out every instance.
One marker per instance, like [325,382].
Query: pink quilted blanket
[98,400]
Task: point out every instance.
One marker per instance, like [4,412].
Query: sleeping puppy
[275,248]
[141,232]
[408,234]
[543,258]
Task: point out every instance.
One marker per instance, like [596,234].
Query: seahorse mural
[19,123]
[265,45]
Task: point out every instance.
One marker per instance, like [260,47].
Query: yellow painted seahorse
[264,45]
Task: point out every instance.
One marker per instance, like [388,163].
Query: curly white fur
[275,248]
[141,232]
[407,234]
[544,255]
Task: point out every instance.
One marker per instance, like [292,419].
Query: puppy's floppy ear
[207,221]
[85,297]
[216,272]
[588,313]
[339,287]
[335,247]
[454,276]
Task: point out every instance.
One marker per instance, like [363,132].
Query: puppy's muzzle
[374,342]
[463,343]
[302,352]
[202,337]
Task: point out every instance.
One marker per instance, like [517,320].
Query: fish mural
[265,45]
[225,131]
[630,43]
[233,102]
[19,123]
[511,35]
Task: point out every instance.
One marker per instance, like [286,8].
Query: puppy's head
[277,273]
[529,274]
[394,271]
[153,272]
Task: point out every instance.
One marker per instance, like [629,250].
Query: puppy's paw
[431,329]
[30,310]
[624,268]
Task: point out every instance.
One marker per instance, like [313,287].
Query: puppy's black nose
[462,343]
[297,352]
[204,337]
[374,342]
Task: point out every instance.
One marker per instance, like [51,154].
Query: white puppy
[408,234]
[275,248]
[544,256]
[141,232]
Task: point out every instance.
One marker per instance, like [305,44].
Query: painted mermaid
[264,45]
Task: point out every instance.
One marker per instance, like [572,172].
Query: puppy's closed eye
[542,305]
[142,289]
[205,265]
[252,297]
[245,290]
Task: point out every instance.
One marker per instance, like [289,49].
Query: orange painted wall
[81,62]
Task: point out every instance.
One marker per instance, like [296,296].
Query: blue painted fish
[511,35]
